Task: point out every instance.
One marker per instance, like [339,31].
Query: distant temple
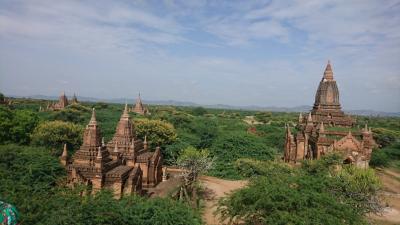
[327,129]
[139,107]
[74,99]
[3,100]
[62,102]
[124,165]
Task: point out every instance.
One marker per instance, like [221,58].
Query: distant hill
[302,108]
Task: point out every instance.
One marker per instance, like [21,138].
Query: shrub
[54,134]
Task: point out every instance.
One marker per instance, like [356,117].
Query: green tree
[316,193]
[158,133]
[193,163]
[16,125]
[24,122]
[231,146]
[53,134]
[6,123]
[199,111]
[385,137]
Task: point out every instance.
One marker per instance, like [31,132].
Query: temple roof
[328,74]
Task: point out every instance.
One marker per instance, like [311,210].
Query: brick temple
[62,102]
[328,129]
[124,165]
[139,107]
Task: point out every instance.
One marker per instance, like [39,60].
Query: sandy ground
[217,188]
[391,187]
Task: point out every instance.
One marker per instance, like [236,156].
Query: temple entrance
[348,160]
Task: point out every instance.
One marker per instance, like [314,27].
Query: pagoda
[326,128]
[139,107]
[61,104]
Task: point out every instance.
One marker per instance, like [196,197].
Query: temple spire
[99,155]
[65,153]
[328,74]
[116,147]
[93,118]
[322,128]
[309,118]
[300,118]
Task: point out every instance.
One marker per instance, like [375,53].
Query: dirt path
[216,189]
[391,187]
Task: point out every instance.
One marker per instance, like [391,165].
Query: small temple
[328,129]
[62,102]
[139,107]
[124,165]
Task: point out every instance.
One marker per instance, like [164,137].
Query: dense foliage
[160,133]
[16,126]
[54,134]
[318,193]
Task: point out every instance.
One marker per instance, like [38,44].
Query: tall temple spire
[116,147]
[99,155]
[321,127]
[93,118]
[328,74]
[125,114]
[65,153]
[309,119]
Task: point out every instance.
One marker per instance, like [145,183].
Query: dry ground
[217,188]
[391,187]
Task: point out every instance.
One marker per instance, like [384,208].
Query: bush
[230,147]
[278,194]
[385,137]
[159,133]
[16,126]
[54,134]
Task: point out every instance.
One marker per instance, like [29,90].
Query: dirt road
[216,189]
[391,187]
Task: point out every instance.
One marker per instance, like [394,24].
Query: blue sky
[266,53]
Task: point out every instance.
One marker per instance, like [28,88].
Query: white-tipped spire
[321,127]
[99,155]
[309,119]
[65,152]
[328,74]
[93,118]
[116,147]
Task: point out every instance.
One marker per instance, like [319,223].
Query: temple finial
[309,119]
[99,156]
[102,142]
[93,118]
[65,152]
[328,74]
[116,147]
[321,127]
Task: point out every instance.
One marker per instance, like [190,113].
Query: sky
[264,53]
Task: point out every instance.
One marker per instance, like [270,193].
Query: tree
[278,194]
[199,111]
[158,133]
[385,137]
[16,125]
[231,146]
[193,163]
[6,123]
[24,122]
[54,134]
